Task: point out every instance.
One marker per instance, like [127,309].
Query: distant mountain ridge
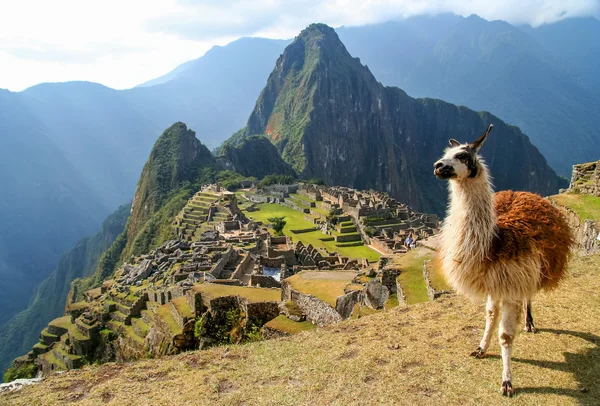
[330,119]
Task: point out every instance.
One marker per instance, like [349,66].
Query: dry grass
[214,290]
[326,285]
[414,355]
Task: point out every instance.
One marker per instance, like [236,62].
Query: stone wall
[586,232]
[261,312]
[431,292]
[585,179]
[221,263]
[243,266]
[316,310]
[264,281]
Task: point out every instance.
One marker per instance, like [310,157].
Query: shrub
[276,180]
[25,371]
[277,224]
[370,231]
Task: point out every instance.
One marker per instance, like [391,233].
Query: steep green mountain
[22,331]
[177,161]
[254,156]
[494,66]
[330,119]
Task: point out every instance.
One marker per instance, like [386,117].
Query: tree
[277,224]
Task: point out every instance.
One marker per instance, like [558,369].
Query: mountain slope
[255,156]
[331,119]
[493,66]
[22,331]
[98,130]
[45,207]
[575,41]
[177,160]
[413,355]
[213,94]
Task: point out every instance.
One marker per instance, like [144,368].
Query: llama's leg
[529,326]
[491,322]
[509,326]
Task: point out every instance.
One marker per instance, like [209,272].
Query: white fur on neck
[469,228]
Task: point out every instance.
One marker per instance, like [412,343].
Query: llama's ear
[453,143]
[475,145]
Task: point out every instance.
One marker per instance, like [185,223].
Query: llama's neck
[470,225]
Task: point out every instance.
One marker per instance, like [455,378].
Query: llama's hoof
[478,353]
[507,389]
[530,328]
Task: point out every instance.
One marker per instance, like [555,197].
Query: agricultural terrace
[213,290]
[325,285]
[585,206]
[295,221]
[411,276]
[286,325]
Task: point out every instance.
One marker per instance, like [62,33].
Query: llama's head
[460,161]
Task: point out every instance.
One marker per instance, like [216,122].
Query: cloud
[123,43]
[205,20]
[44,52]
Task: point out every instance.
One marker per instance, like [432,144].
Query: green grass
[436,276]
[129,332]
[182,307]
[326,285]
[411,275]
[585,206]
[392,301]
[63,322]
[286,325]
[295,221]
[49,356]
[164,312]
[307,201]
[141,324]
[214,290]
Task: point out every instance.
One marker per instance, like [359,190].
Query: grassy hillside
[414,355]
[585,206]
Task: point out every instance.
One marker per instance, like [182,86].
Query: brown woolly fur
[529,223]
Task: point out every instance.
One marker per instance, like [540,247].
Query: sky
[122,43]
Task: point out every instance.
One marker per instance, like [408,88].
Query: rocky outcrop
[587,232]
[376,294]
[585,179]
[242,157]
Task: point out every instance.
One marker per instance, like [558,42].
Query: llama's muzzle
[442,171]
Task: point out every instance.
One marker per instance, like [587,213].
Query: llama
[504,247]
